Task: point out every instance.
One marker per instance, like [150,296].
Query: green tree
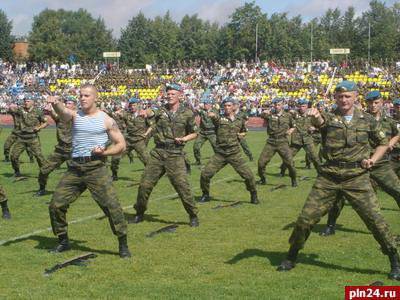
[5,36]
[57,34]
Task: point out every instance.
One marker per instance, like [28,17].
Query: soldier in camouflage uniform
[174,125]
[138,130]
[345,134]
[301,136]
[395,154]
[242,139]
[119,115]
[92,131]
[207,129]
[279,125]
[31,122]
[381,173]
[228,129]
[62,151]
[12,138]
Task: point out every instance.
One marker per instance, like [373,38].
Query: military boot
[282,173]
[194,221]
[262,181]
[394,266]
[294,182]
[290,262]
[114,176]
[329,230]
[123,247]
[63,244]
[138,218]
[205,198]
[254,198]
[41,191]
[7,158]
[17,173]
[5,211]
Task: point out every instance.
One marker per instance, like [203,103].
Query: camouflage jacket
[64,134]
[349,142]
[277,126]
[168,126]
[227,133]
[206,124]
[136,127]
[121,119]
[28,120]
[301,135]
[396,149]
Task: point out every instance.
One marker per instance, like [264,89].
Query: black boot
[31,160]
[329,230]
[138,218]
[114,176]
[394,266]
[205,198]
[41,191]
[254,198]
[294,182]
[194,221]
[6,158]
[63,244]
[308,166]
[282,173]
[5,211]
[123,247]
[251,158]
[198,163]
[262,181]
[17,173]
[290,262]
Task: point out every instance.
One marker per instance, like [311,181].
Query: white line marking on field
[98,215]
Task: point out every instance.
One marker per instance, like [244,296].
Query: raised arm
[64,113]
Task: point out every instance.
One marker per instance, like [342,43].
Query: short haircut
[89,86]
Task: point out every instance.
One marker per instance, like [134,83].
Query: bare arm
[42,125]
[64,113]
[118,142]
[393,141]
[379,152]
[186,138]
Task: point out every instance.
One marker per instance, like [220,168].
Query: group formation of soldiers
[359,149]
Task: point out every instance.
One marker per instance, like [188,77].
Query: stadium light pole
[256,59]
[369,43]
[311,43]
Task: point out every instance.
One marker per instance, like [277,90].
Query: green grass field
[233,254]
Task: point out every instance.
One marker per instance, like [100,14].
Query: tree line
[60,35]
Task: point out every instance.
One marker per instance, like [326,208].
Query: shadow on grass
[212,199]
[320,227]
[391,209]
[124,178]
[275,258]
[149,218]
[47,243]
[8,175]
[33,192]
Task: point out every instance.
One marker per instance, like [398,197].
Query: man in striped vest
[91,131]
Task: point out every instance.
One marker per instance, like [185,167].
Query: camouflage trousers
[384,177]
[26,144]
[162,162]
[218,161]
[201,139]
[310,153]
[395,163]
[79,177]
[53,162]
[10,141]
[246,148]
[269,151]
[141,149]
[318,150]
[359,193]
[3,197]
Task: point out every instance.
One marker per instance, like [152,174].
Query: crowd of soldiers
[357,147]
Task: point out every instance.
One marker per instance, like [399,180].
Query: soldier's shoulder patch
[381,134]
[398,125]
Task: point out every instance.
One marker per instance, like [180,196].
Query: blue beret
[396,101]
[133,100]
[229,99]
[373,95]
[29,96]
[70,99]
[173,86]
[346,86]
[277,100]
[302,101]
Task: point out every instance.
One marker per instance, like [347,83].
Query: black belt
[86,159]
[169,146]
[343,164]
